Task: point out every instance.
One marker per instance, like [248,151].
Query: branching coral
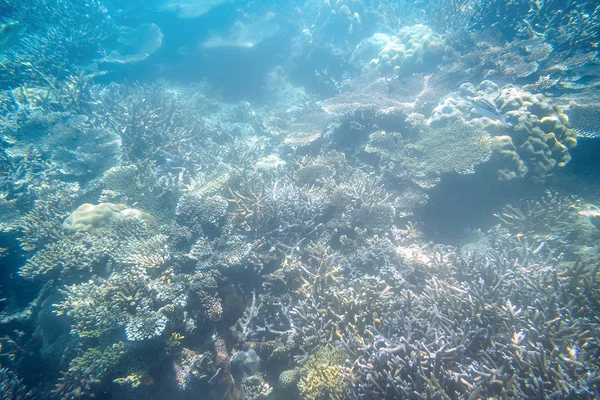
[194,210]
[64,35]
[139,185]
[553,218]
[43,223]
[95,236]
[492,334]
[322,376]
[277,210]
[73,256]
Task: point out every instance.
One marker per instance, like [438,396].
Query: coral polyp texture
[529,134]
[415,48]
[322,376]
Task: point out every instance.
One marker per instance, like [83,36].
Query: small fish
[487,108]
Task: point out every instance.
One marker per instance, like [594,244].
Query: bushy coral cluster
[322,376]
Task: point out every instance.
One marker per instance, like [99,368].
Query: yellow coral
[322,376]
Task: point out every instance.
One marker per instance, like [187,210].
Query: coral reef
[263,234]
[98,218]
[415,48]
[322,376]
[531,136]
[424,156]
[471,347]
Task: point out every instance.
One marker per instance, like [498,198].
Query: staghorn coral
[72,256]
[74,33]
[88,152]
[97,236]
[11,387]
[9,212]
[322,376]
[488,333]
[129,301]
[276,210]
[157,124]
[350,196]
[326,315]
[43,223]
[554,219]
[150,253]
[87,306]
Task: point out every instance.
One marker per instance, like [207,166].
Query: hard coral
[91,218]
[531,135]
[322,376]
[416,48]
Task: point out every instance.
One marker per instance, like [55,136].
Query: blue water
[299,200]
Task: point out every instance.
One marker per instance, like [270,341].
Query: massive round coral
[530,135]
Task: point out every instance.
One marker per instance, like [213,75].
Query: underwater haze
[299,200]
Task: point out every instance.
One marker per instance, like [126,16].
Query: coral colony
[313,200]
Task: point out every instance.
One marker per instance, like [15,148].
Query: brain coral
[96,218]
[530,135]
